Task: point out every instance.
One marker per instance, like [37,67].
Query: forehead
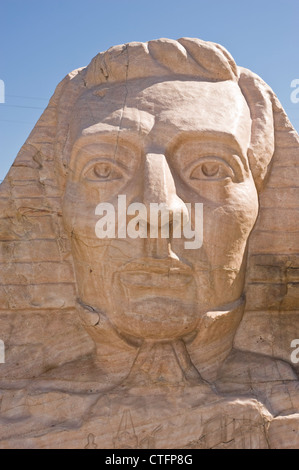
[160,112]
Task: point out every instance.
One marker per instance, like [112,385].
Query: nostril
[160,197]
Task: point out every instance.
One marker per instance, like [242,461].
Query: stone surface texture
[142,343]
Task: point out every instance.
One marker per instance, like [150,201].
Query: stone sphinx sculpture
[140,342]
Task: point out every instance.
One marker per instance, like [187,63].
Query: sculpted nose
[159,188]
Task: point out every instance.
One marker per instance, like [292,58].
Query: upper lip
[157,265]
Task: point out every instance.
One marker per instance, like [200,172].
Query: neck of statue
[188,361]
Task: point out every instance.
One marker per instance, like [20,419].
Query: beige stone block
[3,299]
[291,299]
[5,189]
[284,177]
[266,296]
[284,432]
[28,190]
[268,332]
[280,220]
[22,361]
[23,173]
[51,296]
[27,227]
[29,251]
[265,242]
[45,272]
[37,206]
[273,268]
[282,198]
[290,158]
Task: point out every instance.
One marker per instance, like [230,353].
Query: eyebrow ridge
[204,137]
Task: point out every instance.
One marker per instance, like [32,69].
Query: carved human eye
[102,171]
[211,169]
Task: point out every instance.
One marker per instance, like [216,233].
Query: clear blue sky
[43,40]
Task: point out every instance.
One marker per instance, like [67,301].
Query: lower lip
[155,280]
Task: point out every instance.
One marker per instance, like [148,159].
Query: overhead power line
[28,97]
[20,106]
[15,121]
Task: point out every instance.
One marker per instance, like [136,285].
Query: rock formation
[123,342]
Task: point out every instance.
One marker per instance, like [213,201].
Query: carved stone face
[172,142]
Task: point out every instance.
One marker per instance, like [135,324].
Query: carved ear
[261,149]
[271,320]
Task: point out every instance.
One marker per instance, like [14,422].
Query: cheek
[79,211]
[227,226]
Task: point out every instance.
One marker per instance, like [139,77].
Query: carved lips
[156,273]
